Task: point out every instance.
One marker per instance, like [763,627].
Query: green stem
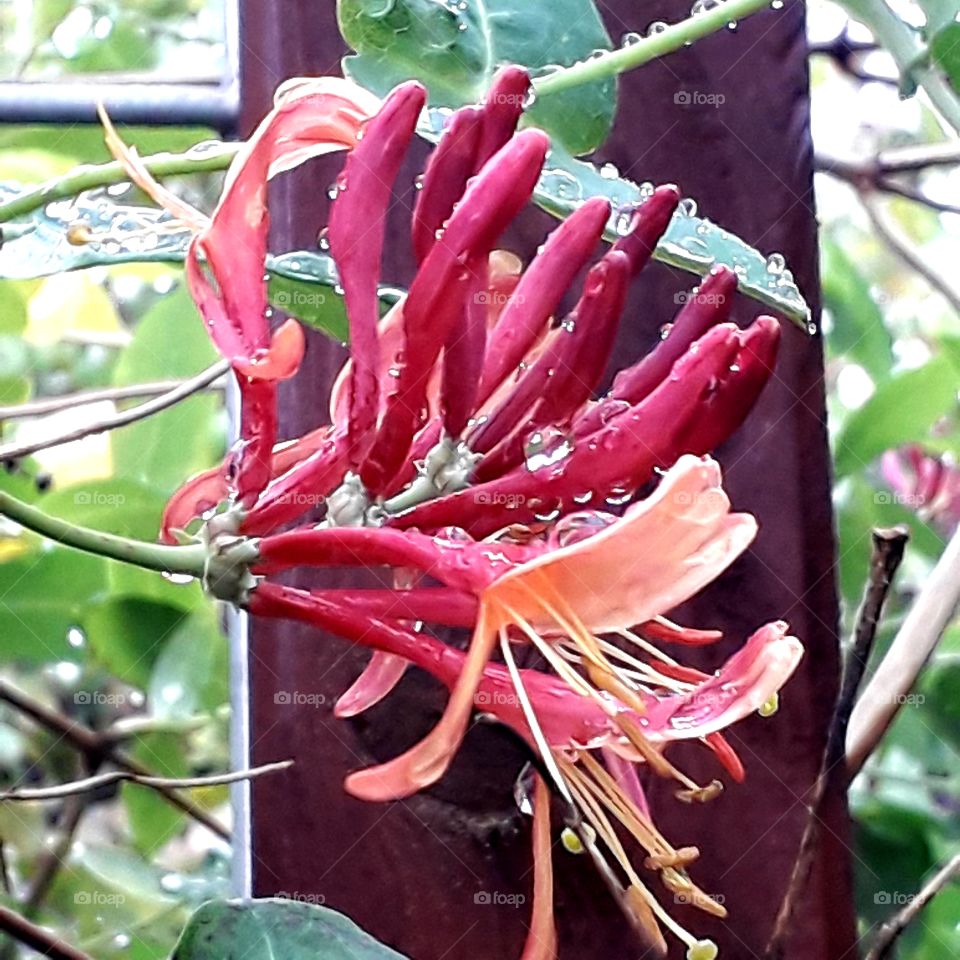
[188,560]
[675,37]
[92,176]
[909,52]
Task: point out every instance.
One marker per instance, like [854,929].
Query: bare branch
[892,928]
[97,748]
[77,787]
[37,938]
[888,547]
[901,247]
[124,417]
[139,391]
[924,625]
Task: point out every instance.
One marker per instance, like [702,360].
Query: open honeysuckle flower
[606,708]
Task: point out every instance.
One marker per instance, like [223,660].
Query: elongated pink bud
[449,168]
[502,110]
[614,461]
[464,352]
[436,297]
[567,372]
[649,224]
[357,228]
[540,291]
[726,404]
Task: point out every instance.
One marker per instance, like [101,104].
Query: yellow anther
[571,842]
[769,707]
[702,950]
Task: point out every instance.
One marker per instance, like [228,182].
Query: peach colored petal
[379,677]
[661,552]
[541,943]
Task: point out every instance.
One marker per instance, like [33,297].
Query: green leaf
[44,594]
[306,286]
[270,929]
[945,50]
[858,330]
[127,635]
[191,673]
[14,390]
[455,48]
[164,450]
[690,243]
[901,410]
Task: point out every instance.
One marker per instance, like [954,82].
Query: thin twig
[137,391]
[869,175]
[891,928]
[77,787]
[124,417]
[37,938]
[910,257]
[90,743]
[888,547]
[929,616]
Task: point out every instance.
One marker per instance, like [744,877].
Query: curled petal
[281,359]
[689,538]
[380,676]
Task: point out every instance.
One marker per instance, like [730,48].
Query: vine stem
[673,38]
[92,176]
[188,560]
[38,938]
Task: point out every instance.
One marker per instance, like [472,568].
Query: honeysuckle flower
[563,594]
[461,407]
[927,484]
[467,454]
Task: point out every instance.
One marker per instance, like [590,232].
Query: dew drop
[609,171]
[658,26]
[547,447]
[629,39]
[687,207]
[776,263]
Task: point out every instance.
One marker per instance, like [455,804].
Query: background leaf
[268,929]
[454,49]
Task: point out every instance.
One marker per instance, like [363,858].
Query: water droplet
[418,182]
[776,263]
[658,26]
[776,4]
[687,207]
[609,171]
[811,327]
[646,190]
[332,191]
[547,447]
[732,25]
[76,638]
[629,39]
[569,325]
[171,883]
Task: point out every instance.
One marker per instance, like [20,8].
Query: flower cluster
[468,454]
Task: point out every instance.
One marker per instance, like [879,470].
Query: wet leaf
[454,49]
[268,929]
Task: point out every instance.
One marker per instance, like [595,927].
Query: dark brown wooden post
[409,872]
